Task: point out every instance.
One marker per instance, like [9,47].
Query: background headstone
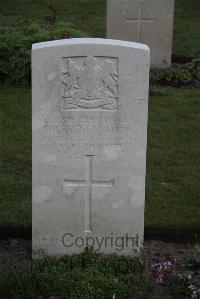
[90,106]
[144,21]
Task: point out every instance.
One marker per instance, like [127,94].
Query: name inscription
[94,132]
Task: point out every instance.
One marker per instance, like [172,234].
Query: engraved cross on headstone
[140,21]
[88,183]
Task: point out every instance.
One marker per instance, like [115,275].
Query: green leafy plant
[194,69]
[184,279]
[179,76]
[86,275]
[179,279]
[16,42]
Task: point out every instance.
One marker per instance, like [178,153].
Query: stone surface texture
[146,21]
[90,110]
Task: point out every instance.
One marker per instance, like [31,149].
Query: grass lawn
[173,176]
[15,140]
[172,192]
[90,16]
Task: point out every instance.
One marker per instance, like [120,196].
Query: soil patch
[19,250]
[15,251]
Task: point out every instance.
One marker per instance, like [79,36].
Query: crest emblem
[90,83]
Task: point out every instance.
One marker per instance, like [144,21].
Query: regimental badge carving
[90,83]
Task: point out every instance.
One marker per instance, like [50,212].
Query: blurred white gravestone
[90,106]
[145,21]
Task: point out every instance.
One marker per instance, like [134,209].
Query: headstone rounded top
[90,109]
[143,21]
[87,41]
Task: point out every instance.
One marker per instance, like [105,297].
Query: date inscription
[68,133]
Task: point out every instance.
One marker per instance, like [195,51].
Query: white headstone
[90,106]
[143,21]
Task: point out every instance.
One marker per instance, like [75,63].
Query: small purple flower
[24,51]
[67,35]
[47,24]
[72,284]
[160,270]
[159,279]
[13,24]
[195,291]
[191,286]
[55,37]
